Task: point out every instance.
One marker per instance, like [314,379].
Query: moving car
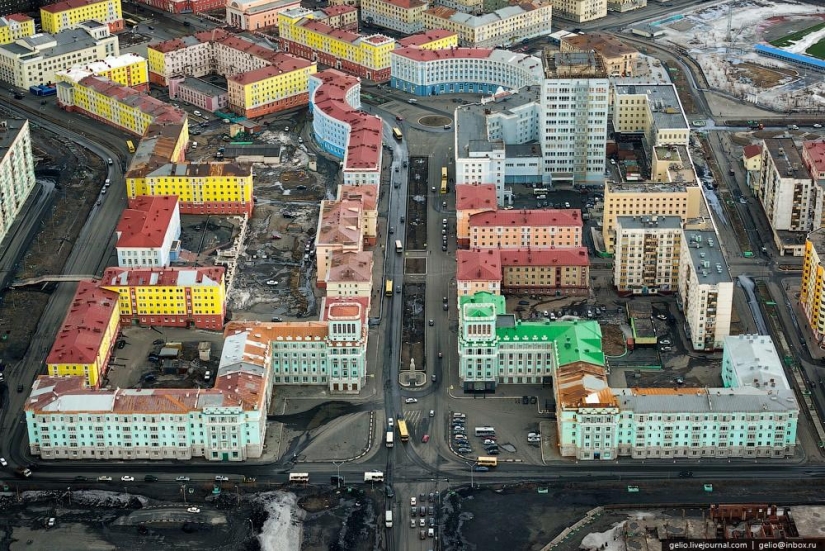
[3,462]
[220,478]
[411,400]
[425,438]
[104,478]
[193,510]
[127,478]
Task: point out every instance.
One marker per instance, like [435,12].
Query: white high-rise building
[573,132]
[16,170]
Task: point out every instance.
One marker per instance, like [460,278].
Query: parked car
[412,523]
[3,462]
[425,438]
[413,501]
[411,400]
[104,478]
[481,469]
[666,342]
[182,479]
[127,478]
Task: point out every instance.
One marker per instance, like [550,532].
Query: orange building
[522,229]
[470,200]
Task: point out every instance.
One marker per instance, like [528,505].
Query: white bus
[398,246]
[485,431]
[390,436]
[299,477]
[373,476]
[388,519]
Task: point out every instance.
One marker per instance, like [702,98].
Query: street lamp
[338,476]
[471,465]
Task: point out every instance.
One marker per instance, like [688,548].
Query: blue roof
[790,56]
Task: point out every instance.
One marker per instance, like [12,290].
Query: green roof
[576,341]
[483,301]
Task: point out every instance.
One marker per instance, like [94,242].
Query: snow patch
[284,525]
[610,540]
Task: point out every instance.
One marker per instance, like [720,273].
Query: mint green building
[495,348]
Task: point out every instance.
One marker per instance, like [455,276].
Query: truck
[390,437]
[388,519]
[373,476]
[755,125]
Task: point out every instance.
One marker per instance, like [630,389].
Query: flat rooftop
[650,222]
[471,120]
[203,86]
[786,158]
[707,257]
[574,65]
[9,133]
[662,101]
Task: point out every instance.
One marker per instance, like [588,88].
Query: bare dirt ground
[763,77]
[613,340]
[79,179]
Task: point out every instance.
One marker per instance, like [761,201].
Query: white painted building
[705,289]
[148,234]
[16,170]
[786,190]
[751,361]
[646,254]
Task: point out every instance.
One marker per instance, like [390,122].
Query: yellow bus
[396,133]
[388,288]
[130,146]
[402,431]
[485,461]
[443,179]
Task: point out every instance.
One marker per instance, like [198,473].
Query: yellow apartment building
[85,340]
[169,297]
[14,27]
[66,15]
[812,290]
[434,39]
[580,11]
[127,69]
[282,85]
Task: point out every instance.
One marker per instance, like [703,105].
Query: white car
[413,502]
[197,113]
[127,478]
[817,125]
[411,401]
[104,478]
[51,522]
[182,479]
[193,510]
[3,462]
[412,523]
[220,478]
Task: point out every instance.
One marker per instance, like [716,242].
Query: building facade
[646,254]
[502,27]
[428,72]
[705,290]
[786,189]
[526,229]
[255,15]
[652,111]
[85,340]
[302,33]
[574,100]
[126,69]
[279,86]
[185,6]
[37,59]
[65,15]
[341,128]
[16,171]
[580,11]
[14,27]
[169,297]
[200,93]
[470,200]
[812,289]
[405,16]
[349,274]
[339,231]
[148,234]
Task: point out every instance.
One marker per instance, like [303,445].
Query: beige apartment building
[406,16]
[646,255]
[368,197]
[339,230]
[651,110]
[618,58]
[580,11]
[645,199]
[349,274]
[521,229]
[501,27]
[470,200]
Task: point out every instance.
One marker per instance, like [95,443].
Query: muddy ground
[412,332]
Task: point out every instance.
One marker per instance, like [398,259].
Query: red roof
[70,5]
[560,256]
[22,18]
[481,196]
[424,38]
[753,150]
[322,28]
[405,4]
[80,337]
[162,277]
[478,265]
[348,307]
[284,63]
[158,110]
[145,223]
[423,54]
[333,11]
[815,151]
[364,147]
[516,218]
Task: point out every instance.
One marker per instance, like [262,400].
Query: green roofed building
[495,348]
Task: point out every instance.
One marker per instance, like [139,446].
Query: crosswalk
[418,421]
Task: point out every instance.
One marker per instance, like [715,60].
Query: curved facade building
[425,72]
[342,129]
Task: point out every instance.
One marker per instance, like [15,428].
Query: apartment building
[705,289]
[256,15]
[342,129]
[306,34]
[523,229]
[629,199]
[15,26]
[36,60]
[66,420]
[433,39]
[786,190]
[646,254]
[470,200]
[169,297]
[813,158]
[755,415]
[558,271]
[65,15]
[200,93]
[618,58]
[276,87]
[574,102]
[405,16]
[428,72]
[16,170]
[367,196]
[148,233]
[181,57]
[349,274]
[87,336]
[622,6]
[112,103]
[496,348]
[339,230]
[652,111]
[580,11]
[812,289]
[126,69]
[502,27]
[185,6]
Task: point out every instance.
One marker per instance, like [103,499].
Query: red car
[425,438]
